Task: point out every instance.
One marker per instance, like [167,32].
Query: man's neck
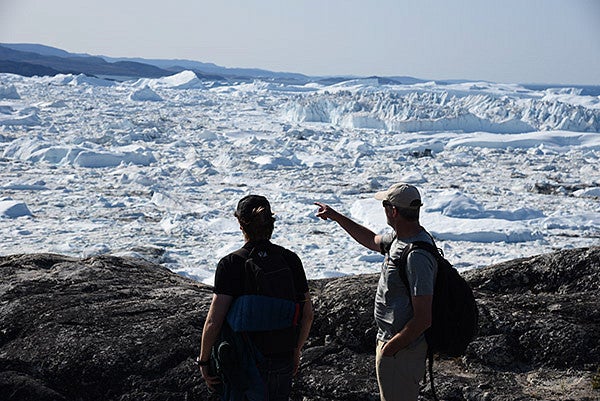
[408,229]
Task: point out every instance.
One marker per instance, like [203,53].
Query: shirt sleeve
[386,242]
[421,269]
[228,277]
[300,282]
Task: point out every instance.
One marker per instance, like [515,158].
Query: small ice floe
[145,94]
[9,92]
[13,209]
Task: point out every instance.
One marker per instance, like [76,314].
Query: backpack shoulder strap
[400,262]
[426,246]
[401,265]
[242,253]
[246,253]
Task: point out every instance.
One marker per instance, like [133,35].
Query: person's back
[273,271]
[247,280]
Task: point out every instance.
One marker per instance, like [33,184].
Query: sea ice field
[154,167]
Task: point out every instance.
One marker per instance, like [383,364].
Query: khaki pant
[398,376]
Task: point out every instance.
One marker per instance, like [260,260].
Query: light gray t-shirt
[393,308]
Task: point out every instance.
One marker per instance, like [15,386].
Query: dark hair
[408,214]
[255,217]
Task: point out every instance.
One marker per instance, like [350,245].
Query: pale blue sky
[525,41]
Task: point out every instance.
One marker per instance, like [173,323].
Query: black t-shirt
[229,277]
[229,280]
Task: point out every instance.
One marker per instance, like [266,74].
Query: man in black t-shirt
[281,348]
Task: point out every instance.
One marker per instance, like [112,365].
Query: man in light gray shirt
[402,314]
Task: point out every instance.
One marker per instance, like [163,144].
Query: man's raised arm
[361,234]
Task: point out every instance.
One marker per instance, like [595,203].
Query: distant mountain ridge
[38,64]
[29,59]
[41,49]
[34,59]
[170,65]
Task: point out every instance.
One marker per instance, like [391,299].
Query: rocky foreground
[108,328]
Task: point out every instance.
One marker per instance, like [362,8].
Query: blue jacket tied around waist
[236,356]
[261,313]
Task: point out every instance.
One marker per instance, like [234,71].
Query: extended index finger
[323,209]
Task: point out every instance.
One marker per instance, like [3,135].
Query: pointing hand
[325,211]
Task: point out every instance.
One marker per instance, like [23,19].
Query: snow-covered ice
[155,167]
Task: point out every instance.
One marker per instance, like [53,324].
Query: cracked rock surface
[109,328]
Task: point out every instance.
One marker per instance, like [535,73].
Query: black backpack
[455,317]
[265,271]
[268,273]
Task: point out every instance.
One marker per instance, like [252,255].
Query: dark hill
[108,328]
[88,65]
[34,59]
[26,69]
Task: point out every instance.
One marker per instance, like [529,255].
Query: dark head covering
[248,204]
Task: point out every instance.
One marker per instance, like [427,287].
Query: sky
[509,41]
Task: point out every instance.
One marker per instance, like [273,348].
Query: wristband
[200,362]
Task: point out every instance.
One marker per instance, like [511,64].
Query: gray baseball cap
[401,195]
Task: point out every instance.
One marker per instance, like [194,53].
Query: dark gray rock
[97,329]
[108,328]
[546,309]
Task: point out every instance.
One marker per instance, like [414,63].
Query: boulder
[110,328]
[98,329]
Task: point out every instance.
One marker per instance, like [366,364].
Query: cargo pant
[398,376]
